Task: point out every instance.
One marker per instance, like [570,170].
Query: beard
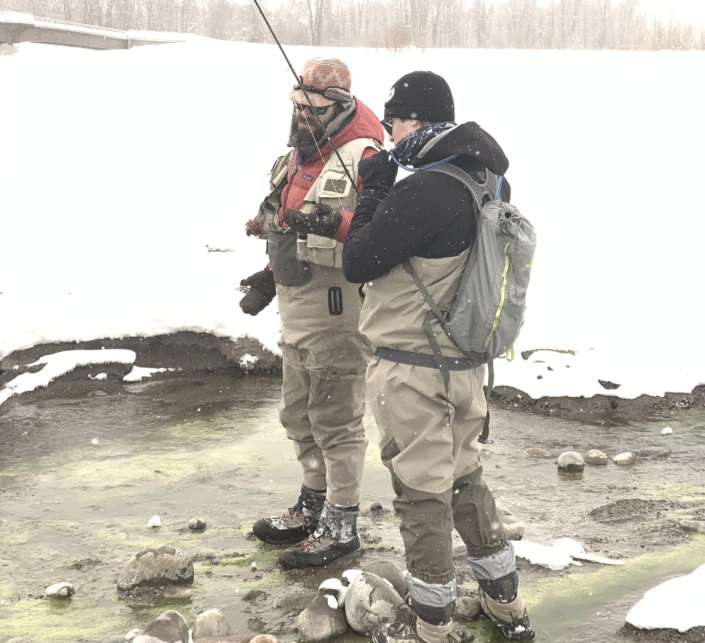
[304,138]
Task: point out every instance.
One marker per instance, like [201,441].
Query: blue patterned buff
[407,149]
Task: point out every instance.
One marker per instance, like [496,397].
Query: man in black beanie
[424,226]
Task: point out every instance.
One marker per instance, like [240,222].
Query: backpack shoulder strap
[478,190]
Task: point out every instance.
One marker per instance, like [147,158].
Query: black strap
[423,359]
[485,435]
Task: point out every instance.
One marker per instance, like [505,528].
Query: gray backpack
[487,314]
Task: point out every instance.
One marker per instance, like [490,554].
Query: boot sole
[297,565]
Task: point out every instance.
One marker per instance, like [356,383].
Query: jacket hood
[363,124]
[467,140]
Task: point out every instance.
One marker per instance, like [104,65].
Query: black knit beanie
[421,95]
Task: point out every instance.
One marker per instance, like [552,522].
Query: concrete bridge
[16,27]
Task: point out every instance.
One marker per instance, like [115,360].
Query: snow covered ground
[119,168]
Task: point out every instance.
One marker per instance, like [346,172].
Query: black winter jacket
[426,214]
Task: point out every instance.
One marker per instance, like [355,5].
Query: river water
[81,476]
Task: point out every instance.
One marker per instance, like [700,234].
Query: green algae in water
[61,621]
[574,598]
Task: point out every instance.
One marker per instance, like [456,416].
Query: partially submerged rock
[370,601]
[693,525]
[60,590]
[596,457]
[168,627]
[319,622]
[624,459]
[211,623]
[196,524]
[654,452]
[571,461]
[536,452]
[160,565]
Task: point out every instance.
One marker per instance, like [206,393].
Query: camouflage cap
[326,80]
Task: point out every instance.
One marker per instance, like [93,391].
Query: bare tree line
[392,24]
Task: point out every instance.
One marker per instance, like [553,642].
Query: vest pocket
[288,270]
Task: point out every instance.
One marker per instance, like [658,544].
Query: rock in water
[196,524]
[513,527]
[624,459]
[60,590]
[160,565]
[467,608]
[211,623]
[571,461]
[536,452]
[389,571]
[370,601]
[319,623]
[595,456]
[693,525]
[233,638]
[667,431]
[654,452]
[168,627]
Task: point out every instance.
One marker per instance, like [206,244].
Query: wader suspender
[444,364]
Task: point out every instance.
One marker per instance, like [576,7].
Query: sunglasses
[319,110]
[387,126]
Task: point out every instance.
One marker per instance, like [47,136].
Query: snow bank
[676,604]
[151,156]
[61,363]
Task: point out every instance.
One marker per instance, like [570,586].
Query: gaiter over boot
[297,523]
[501,601]
[409,627]
[335,538]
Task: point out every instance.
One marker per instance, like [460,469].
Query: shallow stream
[80,478]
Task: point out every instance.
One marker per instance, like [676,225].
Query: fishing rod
[300,83]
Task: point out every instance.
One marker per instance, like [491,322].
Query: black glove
[378,173]
[262,291]
[324,221]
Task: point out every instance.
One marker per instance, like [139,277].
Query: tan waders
[429,442]
[324,362]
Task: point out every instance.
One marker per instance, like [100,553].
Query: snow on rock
[59,364]
[542,555]
[138,373]
[576,551]
[247,362]
[563,552]
[676,604]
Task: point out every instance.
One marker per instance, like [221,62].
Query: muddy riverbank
[83,468]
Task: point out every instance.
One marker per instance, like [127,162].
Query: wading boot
[335,538]
[297,523]
[410,628]
[501,601]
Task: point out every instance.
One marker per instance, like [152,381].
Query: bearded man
[305,218]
